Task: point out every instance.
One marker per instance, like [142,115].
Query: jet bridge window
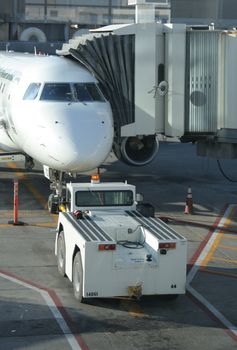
[88,92]
[32,91]
[57,92]
[103,198]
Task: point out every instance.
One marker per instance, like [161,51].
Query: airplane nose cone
[84,152]
[84,144]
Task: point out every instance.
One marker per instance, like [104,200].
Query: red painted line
[67,318]
[56,301]
[196,224]
[21,279]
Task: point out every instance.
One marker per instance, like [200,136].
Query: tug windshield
[103,198]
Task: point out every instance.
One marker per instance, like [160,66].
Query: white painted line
[213,310]
[62,323]
[195,268]
[53,308]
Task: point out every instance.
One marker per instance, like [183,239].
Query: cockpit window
[73,92]
[57,92]
[32,91]
[88,92]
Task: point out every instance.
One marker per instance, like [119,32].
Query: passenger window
[88,92]
[32,91]
[57,92]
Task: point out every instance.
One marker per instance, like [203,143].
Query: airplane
[53,111]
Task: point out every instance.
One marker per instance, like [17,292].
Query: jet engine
[138,150]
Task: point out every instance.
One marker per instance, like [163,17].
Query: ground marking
[227,247]
[231,236]
[52,306]
[38,196]
[229,261]
[133,309]
[201,261]
[213,272]
[73,342]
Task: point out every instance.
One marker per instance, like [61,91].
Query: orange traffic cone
[189,202]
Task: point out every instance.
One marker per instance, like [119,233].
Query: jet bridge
[164,78]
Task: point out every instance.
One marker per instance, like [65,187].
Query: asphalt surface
[38,310]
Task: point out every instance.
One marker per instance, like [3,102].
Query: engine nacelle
[137,151]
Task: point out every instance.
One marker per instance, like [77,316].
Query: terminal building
[222,13]
[175,79]
[59,20]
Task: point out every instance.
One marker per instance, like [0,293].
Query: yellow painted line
[30,187]
[217,240]
[35,224]
[229,261]
[55,217]
[212,250]
[43,224]
[227,247]
[6,226]
[231,236]
[29,213]
[38,196]
[18,174]
[230,327]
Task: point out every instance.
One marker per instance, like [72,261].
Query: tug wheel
[61,254]
[77,277]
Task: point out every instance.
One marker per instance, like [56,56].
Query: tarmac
[38,310]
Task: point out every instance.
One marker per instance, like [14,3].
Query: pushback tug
[108,246]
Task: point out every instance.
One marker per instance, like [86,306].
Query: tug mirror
[139,197]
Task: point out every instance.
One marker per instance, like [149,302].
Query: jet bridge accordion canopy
[111,58]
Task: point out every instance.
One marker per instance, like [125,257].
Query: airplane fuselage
[53,110]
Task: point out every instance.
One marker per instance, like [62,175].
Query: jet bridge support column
[175,56]
[145,80]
